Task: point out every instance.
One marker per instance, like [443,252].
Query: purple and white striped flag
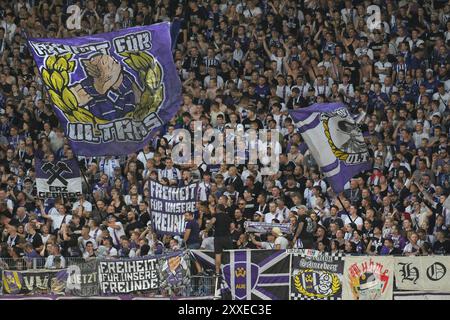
[335,141]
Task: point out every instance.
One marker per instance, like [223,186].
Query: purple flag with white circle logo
[335,140]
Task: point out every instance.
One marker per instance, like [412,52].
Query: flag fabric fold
[111,92]
[334,140]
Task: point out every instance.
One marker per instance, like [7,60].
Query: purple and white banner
[251,274]
[110,91]
[266,227]
[168,206]
[335,141]
[59,179]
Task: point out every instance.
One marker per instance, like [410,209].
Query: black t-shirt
[28,160]
[240,224]
[250,209]
[337,220]
[144,218]
[206,216]
[235,237]
[324,240]
[376,47]
[246,123]
[354,68]
[222,225]
[194,16]
[195,230]
[441,247]
[131,226]
[304,234]
[35,240]
[377,244]
[289,191]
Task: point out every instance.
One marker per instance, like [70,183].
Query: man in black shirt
[192,231]
[303,230]
[222,237]
[442,245]
[239,220]
[132,223]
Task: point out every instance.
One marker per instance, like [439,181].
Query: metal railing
[199,286]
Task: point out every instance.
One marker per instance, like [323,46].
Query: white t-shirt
[86,205]
[279,61]
[268,217]
[322,90]
[94,234]
[303,88]
[248,13]
[443,100]
[348,89]
[112,252]
[383,66]
[347,220]
[116,233]
[82,243]
[127,199]
[282,214]
[58,219]
[143,157]
[9,204]
[267,245]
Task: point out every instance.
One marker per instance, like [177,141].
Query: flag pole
[348,213]
[88,186]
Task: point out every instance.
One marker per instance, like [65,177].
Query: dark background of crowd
[243,63]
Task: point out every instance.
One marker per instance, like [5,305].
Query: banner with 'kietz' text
[110,91]
[168,206]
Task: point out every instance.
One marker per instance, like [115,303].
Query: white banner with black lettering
[425,273]
[125,276]
[58,179]
[168,206]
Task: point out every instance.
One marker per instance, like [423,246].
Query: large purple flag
[110,91]
[335,141]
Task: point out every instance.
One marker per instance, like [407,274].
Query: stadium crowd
[243,64]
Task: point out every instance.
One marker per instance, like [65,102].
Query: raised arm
[266,49]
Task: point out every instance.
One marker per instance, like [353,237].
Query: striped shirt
[210,62]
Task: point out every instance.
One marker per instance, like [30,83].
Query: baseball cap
[436,114]
[259,213]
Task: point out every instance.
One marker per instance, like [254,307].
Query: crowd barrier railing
[294,274]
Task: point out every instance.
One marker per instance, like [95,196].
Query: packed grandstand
[242,65]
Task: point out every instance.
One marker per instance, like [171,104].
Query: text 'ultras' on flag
[110,91]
